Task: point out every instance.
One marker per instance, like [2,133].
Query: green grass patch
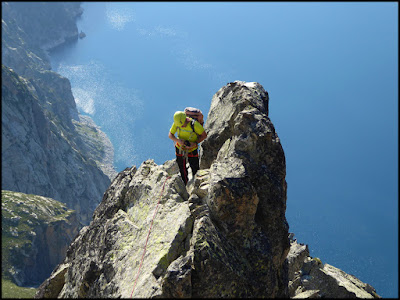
[11,290]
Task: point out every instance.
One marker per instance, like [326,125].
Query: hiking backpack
[195,113]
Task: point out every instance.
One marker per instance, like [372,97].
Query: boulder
[310,278]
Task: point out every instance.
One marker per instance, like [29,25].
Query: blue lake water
[331,73]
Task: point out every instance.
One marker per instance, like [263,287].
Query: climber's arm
[174,139]
[202,137]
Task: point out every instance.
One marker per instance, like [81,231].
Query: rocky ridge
[227,228]
[223,235]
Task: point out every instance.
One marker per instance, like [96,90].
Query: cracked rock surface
[223,235]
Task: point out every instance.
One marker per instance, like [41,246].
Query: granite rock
[224,235]
[310,278]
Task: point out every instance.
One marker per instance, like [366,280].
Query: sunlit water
[331,77]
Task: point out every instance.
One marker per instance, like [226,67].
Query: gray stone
[223,236]
[308,294]
[309,274]
[296,257]
[47,148]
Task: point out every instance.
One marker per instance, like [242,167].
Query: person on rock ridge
[190,134]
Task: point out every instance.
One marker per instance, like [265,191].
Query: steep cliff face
[31,28]
[58,19]
[37,27]
[16,50]
[41,156]
[224,236]
[48,148]
[36,232]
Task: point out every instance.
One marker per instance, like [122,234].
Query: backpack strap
[192,125]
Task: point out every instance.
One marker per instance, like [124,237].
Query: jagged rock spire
[223,235]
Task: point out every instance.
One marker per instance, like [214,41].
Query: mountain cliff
[48,148]
[45,26]
[223,235]
[42,156]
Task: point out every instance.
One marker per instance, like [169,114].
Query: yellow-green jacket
[187,133]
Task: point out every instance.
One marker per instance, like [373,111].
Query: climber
[190,134]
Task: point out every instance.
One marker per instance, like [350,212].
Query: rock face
[225,235]
[48,149]
[30,29]
[36,232]
[243,153]
[46,26]
[41,155]
[310,278]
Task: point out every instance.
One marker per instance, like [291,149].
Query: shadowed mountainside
[48,149]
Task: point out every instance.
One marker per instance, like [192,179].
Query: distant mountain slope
[48,148]
[45,24]
[42,156]
[36,232]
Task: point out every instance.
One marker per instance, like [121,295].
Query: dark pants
[193,158]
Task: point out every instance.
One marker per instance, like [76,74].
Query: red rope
[144,250]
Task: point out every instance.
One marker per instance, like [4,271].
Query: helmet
[179,118]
